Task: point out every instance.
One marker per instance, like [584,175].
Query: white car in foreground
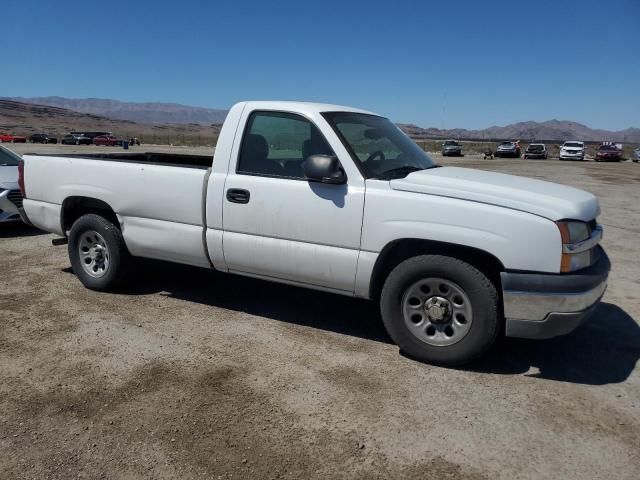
[10,197]
[572,151]
[338,199]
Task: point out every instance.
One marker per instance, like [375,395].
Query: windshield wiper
[400,171]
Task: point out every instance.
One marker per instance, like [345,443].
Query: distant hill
[27,118]
[58,114]
[133,111]
[551,130]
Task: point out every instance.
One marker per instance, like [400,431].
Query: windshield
[8,158]
[451,143]
[380,148]
[573,144]
[536,146]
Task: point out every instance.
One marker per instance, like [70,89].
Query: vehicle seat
[253,159]
[309,147]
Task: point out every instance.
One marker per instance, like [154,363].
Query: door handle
[238,195]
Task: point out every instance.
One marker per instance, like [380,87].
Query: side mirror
[324,169]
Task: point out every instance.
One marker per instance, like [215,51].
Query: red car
[609,152]
[108,140]
[7,137]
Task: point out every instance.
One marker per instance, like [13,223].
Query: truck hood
[546,199]
[9,177]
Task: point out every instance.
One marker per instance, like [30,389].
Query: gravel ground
[192,374]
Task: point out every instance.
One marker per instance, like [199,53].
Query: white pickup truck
[338,199]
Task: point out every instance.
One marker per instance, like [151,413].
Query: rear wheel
[440,310]
[97,252]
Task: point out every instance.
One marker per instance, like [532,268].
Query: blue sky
[468,64]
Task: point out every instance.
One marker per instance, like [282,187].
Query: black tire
[480,291]
[118,255]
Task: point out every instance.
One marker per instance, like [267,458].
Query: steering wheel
[377,153]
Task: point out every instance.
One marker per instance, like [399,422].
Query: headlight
[574,232]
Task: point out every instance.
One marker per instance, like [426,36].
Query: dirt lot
[192,374]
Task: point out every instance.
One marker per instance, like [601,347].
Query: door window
[276,143]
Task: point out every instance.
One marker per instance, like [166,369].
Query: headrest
[256,147]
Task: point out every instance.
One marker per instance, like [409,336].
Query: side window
[276,143]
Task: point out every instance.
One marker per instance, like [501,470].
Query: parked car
[108,140]
[536,150]
[508,149]
[75,139]
[572,151]
[9,138]
[515,254]
[42,138]
[451,148]
[91,135]
[10,196]
[636,155]
[609,153]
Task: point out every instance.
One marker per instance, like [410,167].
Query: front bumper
[572,156]
[548,305]
[8,209]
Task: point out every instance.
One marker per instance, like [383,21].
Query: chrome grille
[15,197]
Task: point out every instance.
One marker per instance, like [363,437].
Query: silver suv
[451,148]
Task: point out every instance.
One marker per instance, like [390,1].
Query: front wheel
[97,252]
[440,310]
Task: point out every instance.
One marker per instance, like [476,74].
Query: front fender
[519,240]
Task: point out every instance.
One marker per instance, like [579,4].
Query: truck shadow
[300,306]
[605,349]
[18,229]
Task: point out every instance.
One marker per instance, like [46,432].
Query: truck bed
[152,158]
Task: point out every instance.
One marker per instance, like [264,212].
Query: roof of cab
[303,107]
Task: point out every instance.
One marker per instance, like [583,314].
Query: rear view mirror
[324,169]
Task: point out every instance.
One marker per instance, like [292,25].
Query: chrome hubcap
[94,254]
[437,311]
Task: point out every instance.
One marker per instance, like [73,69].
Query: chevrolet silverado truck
[338,199]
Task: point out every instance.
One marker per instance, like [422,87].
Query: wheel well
[400,250]
[74,207]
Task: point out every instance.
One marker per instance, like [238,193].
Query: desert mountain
[551,130]
[27,118]
[172,115]
[136,112]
